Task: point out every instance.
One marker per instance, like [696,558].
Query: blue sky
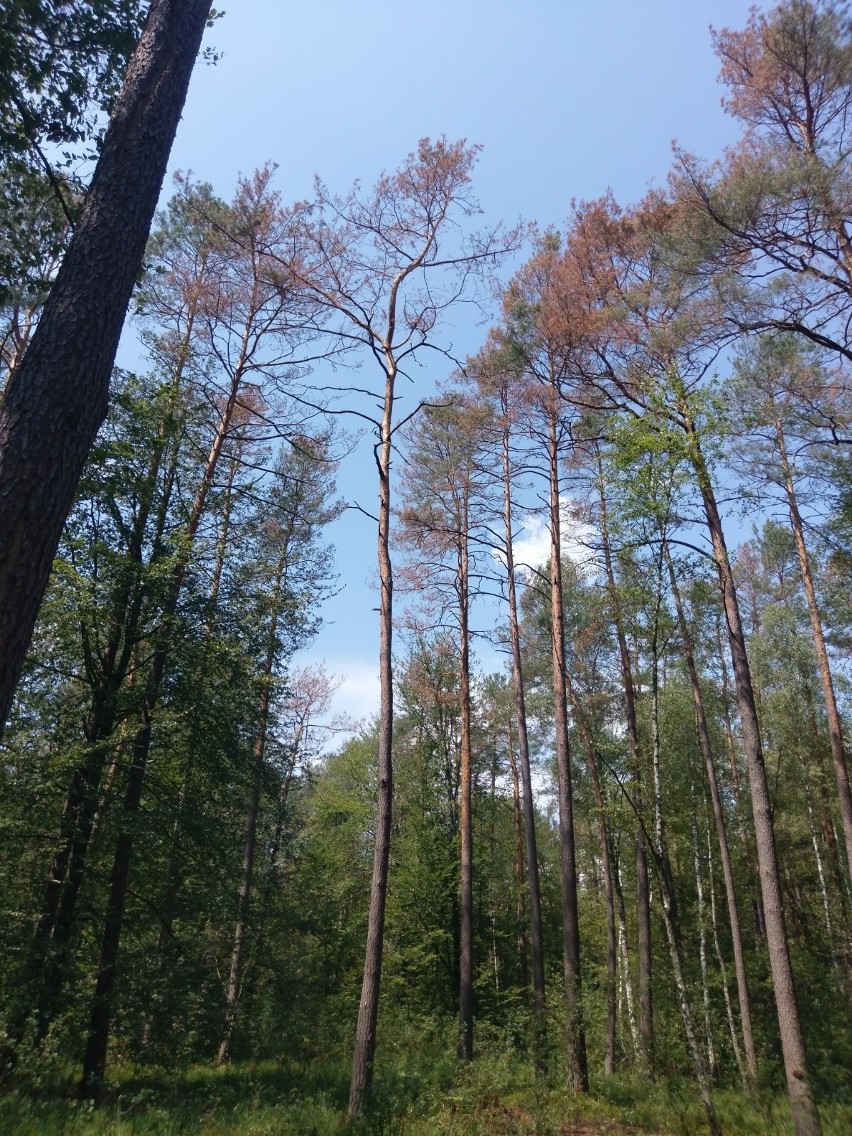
[567,99]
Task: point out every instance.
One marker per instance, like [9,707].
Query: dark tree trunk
[94,1064]
[86,799]
[58,396]
[94,1060]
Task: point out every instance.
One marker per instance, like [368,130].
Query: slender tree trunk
[577,1064]
[805,1116]
[729,730]
[94,1062]
[667,892]
[702,952]
[465,818]
[609,891]
[520,904]
[625,963]
[729,1011]
[643,886]
[235,976]
[536,940]
[721,828]
[692,1045]
[823,890]
[368,1010]
[52,943]
[835,729]
[57,398]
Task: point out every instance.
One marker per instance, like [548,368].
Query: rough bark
[58,396]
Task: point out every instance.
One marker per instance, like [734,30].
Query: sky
[567,98]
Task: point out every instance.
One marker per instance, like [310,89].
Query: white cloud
[532,548]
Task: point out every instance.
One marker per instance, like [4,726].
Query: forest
[588,869]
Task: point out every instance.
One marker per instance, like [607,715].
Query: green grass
[497,1096]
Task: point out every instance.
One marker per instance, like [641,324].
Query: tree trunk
[721,828]
[368,1010]
[94,1065]
[805,1116]
[643,888]
[244,896]
[465,818]
[578,1074]
[94,1060]
[835,729]
[609,893]
[58,396]
[536,941]
[692,1045]
[625,963]
[714,923]
[520,904]
[702,952]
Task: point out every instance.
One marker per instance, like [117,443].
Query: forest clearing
[580,862]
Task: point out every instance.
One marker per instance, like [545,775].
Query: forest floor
[266,1100]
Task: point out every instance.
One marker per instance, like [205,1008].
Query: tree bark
[57,398]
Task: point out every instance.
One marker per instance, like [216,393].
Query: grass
[497,1096]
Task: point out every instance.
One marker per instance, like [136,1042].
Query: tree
[770,225]
[497,381]
[58,395]
[441,493]
[385,266]
[651,362]
[547,350]
[795,406]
